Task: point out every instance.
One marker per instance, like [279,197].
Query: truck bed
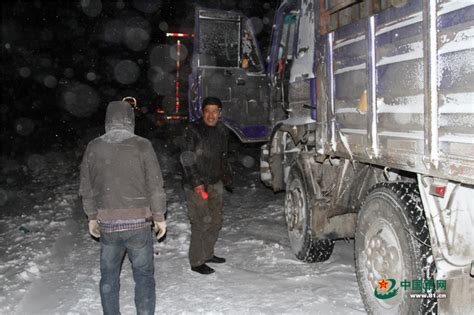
[399,89]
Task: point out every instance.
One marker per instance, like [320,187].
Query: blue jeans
[139,246]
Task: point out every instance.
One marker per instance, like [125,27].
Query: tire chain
[408,193]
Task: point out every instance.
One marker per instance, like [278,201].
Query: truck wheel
[298,220]
[392,242]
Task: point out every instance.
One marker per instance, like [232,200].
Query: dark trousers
[205,216]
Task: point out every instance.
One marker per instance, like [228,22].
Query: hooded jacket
[120,174]
[204,155]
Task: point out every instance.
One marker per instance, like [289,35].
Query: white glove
[159,228]
[94,228]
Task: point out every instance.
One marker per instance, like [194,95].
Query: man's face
[211,114]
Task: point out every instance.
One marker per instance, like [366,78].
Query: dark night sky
[63,61]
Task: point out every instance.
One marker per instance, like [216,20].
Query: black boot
[216,260]
[203,269]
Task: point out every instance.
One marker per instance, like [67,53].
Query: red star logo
[383,284]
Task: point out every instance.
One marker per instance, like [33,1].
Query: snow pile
[31,220]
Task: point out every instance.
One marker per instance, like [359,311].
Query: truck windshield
[219,43]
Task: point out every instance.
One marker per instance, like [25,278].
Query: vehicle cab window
[285,52]
[250,59]
[219,42]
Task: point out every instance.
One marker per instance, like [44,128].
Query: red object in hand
[204,195]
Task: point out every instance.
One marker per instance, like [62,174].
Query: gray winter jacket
[120,174]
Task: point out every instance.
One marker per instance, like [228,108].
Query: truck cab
[227,63]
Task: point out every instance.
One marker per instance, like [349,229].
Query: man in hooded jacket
[122,193]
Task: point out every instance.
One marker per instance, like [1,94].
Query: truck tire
[298,217]
[392,241]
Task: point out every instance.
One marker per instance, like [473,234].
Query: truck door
[227,64]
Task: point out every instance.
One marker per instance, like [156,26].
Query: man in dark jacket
[207,171]
[122,194]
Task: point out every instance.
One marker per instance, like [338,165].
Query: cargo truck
[366,112]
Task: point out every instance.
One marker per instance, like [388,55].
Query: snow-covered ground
[50,265]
